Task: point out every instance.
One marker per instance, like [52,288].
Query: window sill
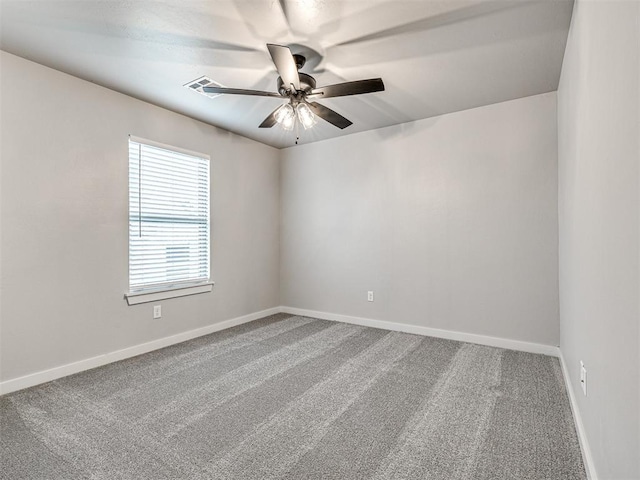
[157,295]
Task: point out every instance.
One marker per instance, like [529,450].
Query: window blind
[168,217]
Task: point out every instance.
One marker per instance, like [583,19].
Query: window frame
[167,290]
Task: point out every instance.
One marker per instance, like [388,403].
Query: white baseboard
[587,458]
[44,376]
[429,332]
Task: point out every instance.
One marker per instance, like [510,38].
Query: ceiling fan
[299,88]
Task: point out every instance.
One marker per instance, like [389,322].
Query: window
[168,221]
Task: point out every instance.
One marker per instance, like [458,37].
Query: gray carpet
[298,398]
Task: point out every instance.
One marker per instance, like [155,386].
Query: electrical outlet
[370,296]
[157,311]
[583,378]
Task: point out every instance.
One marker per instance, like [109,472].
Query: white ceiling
[434,56]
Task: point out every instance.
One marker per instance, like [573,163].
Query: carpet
[289,397]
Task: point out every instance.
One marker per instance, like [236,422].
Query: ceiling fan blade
[270,121]
[330,116]
[285,64]
[348,88]
[240,91]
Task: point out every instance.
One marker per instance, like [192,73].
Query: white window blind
[168,217]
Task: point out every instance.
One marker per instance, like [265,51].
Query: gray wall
[451,221]
[64,221]
[599,155]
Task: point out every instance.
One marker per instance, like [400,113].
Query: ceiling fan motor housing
[307,83]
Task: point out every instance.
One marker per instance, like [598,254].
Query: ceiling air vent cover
[198,83]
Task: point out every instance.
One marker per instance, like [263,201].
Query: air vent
[198,83]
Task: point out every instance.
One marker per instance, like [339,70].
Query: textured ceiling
[435,57]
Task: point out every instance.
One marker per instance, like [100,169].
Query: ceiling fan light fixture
[285,116]
[305,115]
